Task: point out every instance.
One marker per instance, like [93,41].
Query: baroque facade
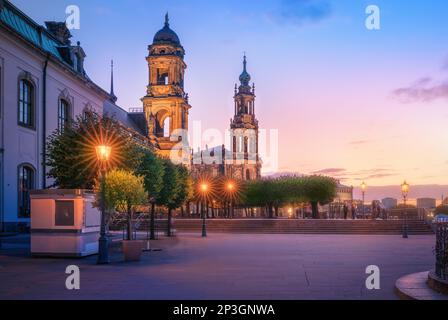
[166,109]
[240,160]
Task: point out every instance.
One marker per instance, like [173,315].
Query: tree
[170,189]
[274,193]
[123,191]
[152,170]
[71,155]
[186,187]
[442,209]
[318,190]
[268,192]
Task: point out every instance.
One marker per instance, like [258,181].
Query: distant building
[344,193]
[426,203]
[389,203]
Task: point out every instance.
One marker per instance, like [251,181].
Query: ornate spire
[245,76]
[245,62]
[112,94]
[167,20]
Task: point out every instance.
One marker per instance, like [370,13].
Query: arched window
[166,127]
[26,103]
[63,115]
[25,184]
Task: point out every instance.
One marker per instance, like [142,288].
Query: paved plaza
[225,266]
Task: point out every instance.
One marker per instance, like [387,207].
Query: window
[65,213]
[162,77]
[26,103]
[63,115]
[26,183]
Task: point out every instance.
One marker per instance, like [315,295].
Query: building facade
[389,203]
[240,160]
[43,84]
[165,104]
[426,203]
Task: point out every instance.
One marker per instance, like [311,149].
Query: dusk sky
[349,102]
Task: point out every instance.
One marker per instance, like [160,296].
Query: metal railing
[441,250]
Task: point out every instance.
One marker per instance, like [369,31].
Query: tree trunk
[168,229]
[270,212]
[129,232]
[276,211]
[152,222]
[315,210]
[188,209]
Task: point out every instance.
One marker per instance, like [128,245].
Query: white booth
[64,223]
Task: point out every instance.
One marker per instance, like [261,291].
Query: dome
[166,34]
[245,76]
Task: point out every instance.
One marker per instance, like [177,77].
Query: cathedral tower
[166,103]
[244,131]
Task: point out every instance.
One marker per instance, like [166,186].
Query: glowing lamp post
[103,154]
[363,189]
[404,192]
[203,188]
[290,212]
[231,190]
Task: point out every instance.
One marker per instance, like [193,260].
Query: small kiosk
[64,223]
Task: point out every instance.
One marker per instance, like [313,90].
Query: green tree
[71,155]
[268,192]
[442,209]
[152,170]
[123,191]
[170,189]
[318,190]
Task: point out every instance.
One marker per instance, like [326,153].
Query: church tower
[246,163]
[166,103]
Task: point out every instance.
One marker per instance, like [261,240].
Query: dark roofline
[41,29]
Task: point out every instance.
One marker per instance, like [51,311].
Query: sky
[356,104]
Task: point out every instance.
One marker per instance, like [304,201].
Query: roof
[30,30]
[134,121]
[166,35]
[36,35]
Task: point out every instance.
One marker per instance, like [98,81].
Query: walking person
[345,211]
[353,212]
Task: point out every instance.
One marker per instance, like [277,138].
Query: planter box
[132,250]
[64,223]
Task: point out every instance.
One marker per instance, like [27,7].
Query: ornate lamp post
[363,189]
[103,153]
[203,188]
[231,189]
[404,192]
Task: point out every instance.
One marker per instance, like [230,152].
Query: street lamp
[363,189]
[231,189]
[404,192]
[204,189]
[103,153]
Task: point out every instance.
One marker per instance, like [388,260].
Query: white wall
[24,145]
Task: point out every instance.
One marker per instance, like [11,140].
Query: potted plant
[123,192]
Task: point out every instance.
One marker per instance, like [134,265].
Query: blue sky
[377,98]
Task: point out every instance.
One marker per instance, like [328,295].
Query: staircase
[289,226]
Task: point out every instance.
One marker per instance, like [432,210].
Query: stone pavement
[226,266]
